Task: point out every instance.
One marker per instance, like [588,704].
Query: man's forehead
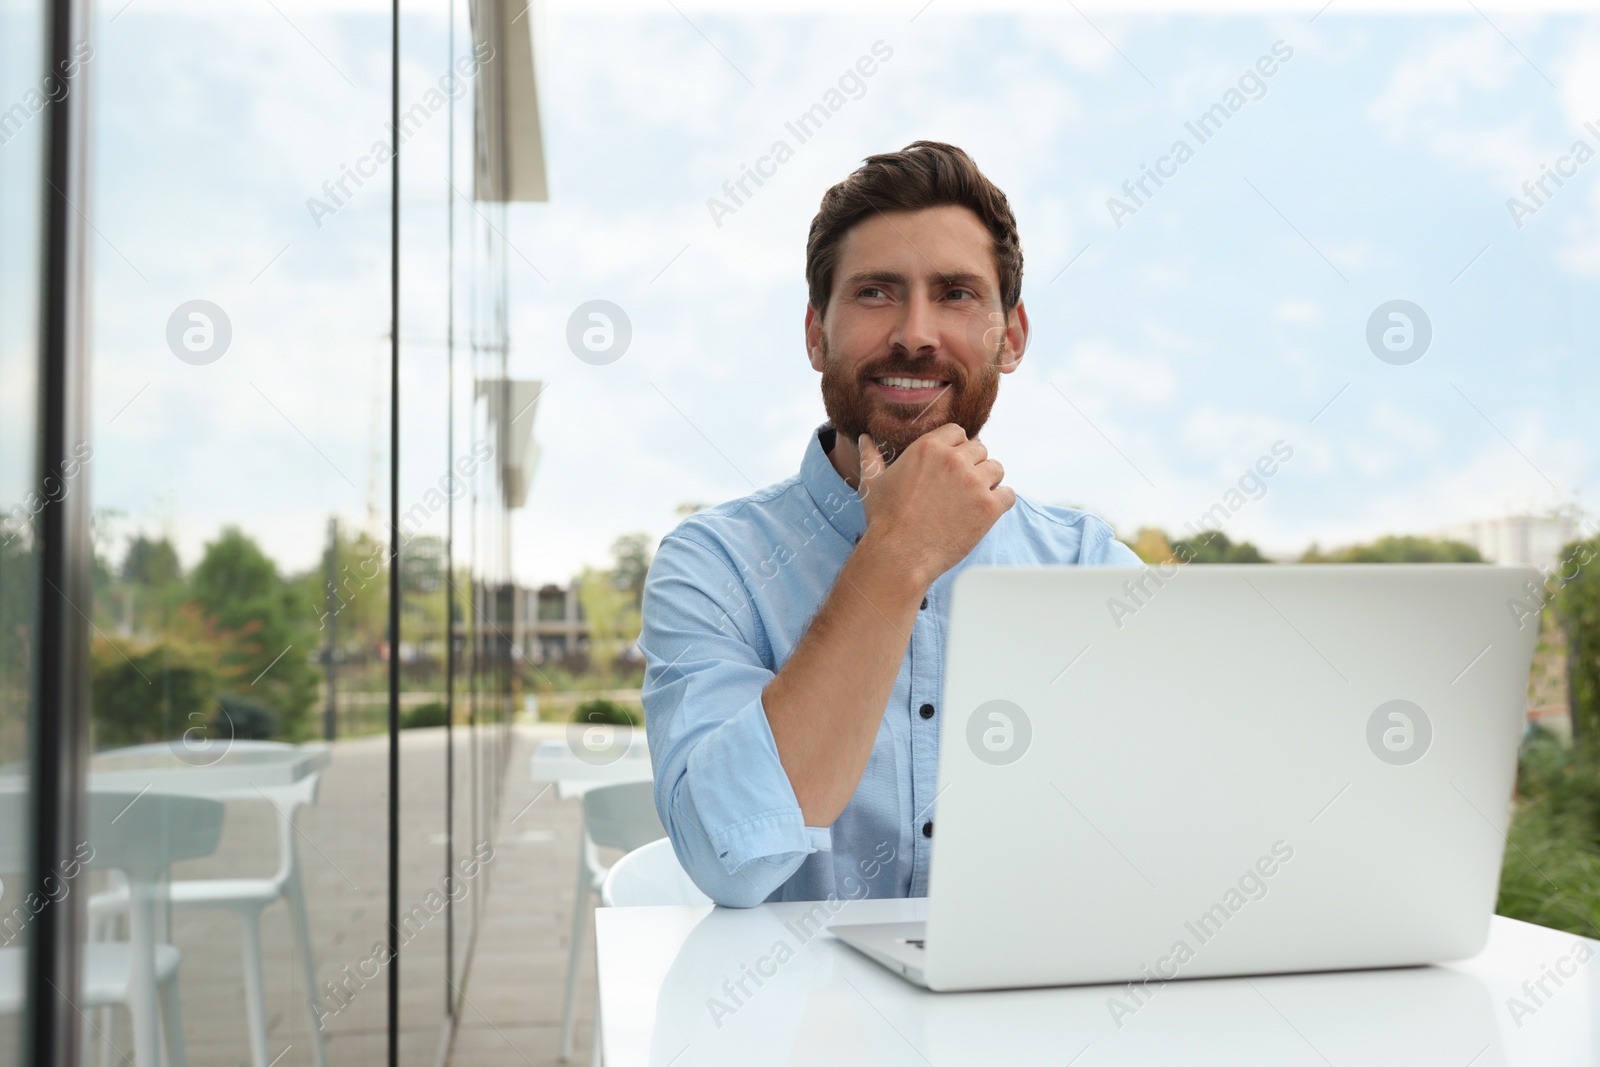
[941,242]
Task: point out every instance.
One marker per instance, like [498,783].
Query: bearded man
[794,638]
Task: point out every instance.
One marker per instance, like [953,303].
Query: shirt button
[924,604]
[927,828]
[926,711]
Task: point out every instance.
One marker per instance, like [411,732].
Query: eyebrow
[892,277]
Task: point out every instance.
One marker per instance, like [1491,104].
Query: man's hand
[924,515]
[932,507]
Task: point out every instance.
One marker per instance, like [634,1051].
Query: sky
[1177,338]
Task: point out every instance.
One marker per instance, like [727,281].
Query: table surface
[239,768]
[664,1001]
[620,756]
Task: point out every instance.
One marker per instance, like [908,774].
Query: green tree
[258,615]
[1214,547]
[613,618]
[19,599]
[152,583]
[152,563]
[1398,549]
[360,600]
[632,555]
[1151,546]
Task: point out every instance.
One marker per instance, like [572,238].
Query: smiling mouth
[903,382]
[906,389]
[911,394]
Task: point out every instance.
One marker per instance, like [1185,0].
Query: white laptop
[1236,770]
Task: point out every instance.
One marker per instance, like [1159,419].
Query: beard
[854,408]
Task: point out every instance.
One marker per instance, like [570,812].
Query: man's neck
[846,459]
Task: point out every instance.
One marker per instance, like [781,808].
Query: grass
[1551,874]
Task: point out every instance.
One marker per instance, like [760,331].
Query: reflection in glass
[241,651]
[22,130]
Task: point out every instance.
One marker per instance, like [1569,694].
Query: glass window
[23,95]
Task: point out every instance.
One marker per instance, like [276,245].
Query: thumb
[872,464]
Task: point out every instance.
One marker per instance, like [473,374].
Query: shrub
[1577,604]
[1552,864]
[424,715]
[603,711]
[150,694]
[243,719]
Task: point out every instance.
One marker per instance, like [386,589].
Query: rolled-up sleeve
[720,789]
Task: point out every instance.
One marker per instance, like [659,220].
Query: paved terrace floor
[521,902]
[512,1014]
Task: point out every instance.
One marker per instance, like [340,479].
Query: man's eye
[872,291]
[968,293]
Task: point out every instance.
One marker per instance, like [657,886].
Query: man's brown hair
[923,174]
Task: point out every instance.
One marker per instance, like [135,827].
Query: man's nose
[917,331]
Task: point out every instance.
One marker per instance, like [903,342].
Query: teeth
[911,383]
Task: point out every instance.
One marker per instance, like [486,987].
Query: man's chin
[922,416]
[894,435]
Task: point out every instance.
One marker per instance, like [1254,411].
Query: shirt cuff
[747,806]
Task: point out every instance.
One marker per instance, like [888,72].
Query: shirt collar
[833,497]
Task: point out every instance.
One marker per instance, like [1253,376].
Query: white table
[589,757]
[662,975]
[234,768]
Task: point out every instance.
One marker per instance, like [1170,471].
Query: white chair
[614,816]
[647,877]
[248,898]
[140,835]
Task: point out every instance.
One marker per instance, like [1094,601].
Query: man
[794,638]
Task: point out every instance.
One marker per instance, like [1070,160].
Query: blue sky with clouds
[1227,313]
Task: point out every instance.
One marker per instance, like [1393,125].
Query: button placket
[924,743]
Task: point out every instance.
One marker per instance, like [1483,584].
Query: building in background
[543,625]
[1521,539]
[551,623]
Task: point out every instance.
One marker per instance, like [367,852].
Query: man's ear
[1016,341]
[814,337]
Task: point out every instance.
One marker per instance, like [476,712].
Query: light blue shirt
[727,599]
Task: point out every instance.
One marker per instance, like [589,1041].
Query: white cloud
[1229,439]
[1439,95]
[1441,74]
[1580,82]
[1099,374]
[1297,311]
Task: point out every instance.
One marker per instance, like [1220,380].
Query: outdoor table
[206,770]
[703,985]
[589,756]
